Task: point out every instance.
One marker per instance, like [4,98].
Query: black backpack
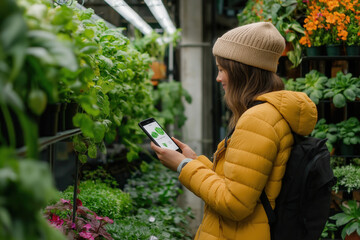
[302,207]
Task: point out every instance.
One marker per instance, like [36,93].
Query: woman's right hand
[186,150]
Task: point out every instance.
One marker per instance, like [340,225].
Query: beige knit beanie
[257,44]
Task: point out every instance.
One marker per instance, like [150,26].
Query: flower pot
[353,50]
[314,51]
[356,195]
[353,236]
[159,69]
[333,50]
[288,47]
[346,150]
[48,121]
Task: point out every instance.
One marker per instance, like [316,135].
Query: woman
[255,156]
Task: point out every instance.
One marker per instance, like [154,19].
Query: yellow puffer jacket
[255,157]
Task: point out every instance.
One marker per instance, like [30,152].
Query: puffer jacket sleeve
[247,165]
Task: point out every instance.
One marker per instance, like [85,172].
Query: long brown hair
[245,84]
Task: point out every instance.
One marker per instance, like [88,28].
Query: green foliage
[171,97]
[100,174]
[329,230]
[161,222]
[329,131]
[155,187]
[348,177]
[154,192]
[25,188]
[313,85]
[349,131]
[102,199]
[341,88]
[350,217]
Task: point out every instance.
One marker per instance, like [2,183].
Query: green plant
[323,130]
[313,84]
[26,186]
[100,175]
[341,88]
[87,224]
[102,199]
[161,222]
[348,131]
[329,230]
[170,96]
[155,44]
[156,186]
[353,29]
[350,217]
[348,177]
[337,161]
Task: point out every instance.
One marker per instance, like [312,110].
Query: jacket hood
[296,108]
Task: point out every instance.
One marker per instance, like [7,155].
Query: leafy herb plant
[348,177]
[349,218]
[349,131]
[329,131]
[313,84]
[102,199]
[342,88]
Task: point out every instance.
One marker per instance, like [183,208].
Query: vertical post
[51,157]
[191,54]
[171,62]
[75,187]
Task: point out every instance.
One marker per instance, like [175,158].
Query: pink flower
[86,235]
[106,219]
[56,221]
[73,226]
[87,227]
[65,201]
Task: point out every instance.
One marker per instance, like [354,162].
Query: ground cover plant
[154,190]
[145,208]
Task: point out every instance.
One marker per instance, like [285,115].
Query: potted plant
[349,134]
[341,88]
[348,178]
[329,231]
[326,24]
[350,219]
[313,84]
[353,39]
[329,131]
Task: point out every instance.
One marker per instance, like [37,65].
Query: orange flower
[332,4]
[330,19]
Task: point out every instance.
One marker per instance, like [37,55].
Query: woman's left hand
[169,158]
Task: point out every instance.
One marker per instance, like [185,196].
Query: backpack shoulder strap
[267,207]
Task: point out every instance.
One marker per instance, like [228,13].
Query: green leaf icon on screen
[154,134]
[164,144]
[159,131]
